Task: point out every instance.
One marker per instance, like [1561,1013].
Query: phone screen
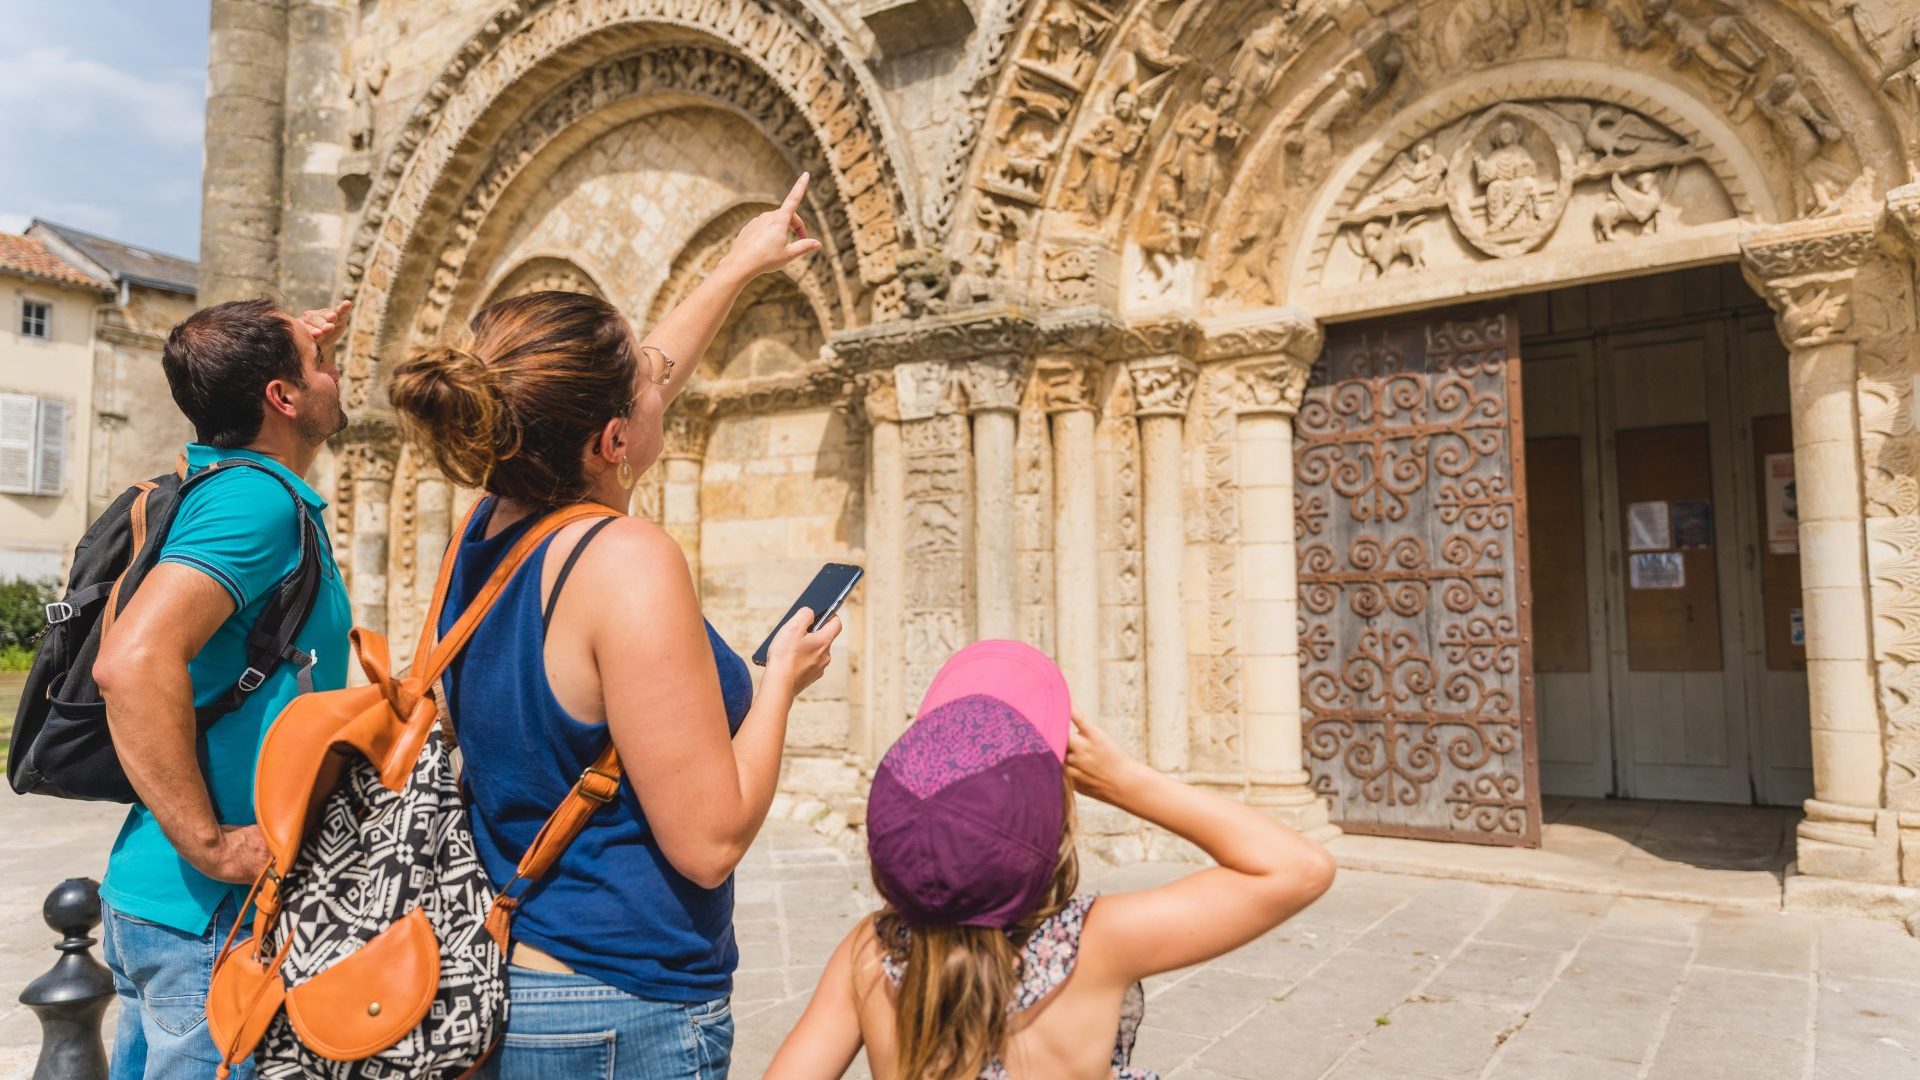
[824,596]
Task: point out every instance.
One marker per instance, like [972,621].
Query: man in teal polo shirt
[261,385]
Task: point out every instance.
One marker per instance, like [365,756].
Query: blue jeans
[571,1027]
[161,975]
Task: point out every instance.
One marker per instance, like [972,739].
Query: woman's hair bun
[450,404]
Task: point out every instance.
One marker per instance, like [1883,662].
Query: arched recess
[705,250]
[543,273]
[775,61]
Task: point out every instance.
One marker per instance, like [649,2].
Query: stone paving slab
[1388,977]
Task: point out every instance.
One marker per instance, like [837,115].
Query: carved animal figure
[1614,131]
[1640,201]
[926,276]
[1807,133]
[1383,245]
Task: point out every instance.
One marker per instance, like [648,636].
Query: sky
[102,104]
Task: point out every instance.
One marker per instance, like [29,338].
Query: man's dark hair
[218,362]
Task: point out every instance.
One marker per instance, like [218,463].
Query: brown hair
[954,1004]
[220,359]
[510,406]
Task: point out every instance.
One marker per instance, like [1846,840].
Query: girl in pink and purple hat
[986,963]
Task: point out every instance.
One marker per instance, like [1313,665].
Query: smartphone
[825,595]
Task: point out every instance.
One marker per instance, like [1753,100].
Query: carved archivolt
[545,273]
[800,78]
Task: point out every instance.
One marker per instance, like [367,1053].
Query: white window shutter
[50,471]
[19,418]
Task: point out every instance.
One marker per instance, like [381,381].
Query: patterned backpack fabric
[379,944]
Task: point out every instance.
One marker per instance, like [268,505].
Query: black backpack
[61,745]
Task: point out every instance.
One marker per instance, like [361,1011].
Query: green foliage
[16,658]
[23,615]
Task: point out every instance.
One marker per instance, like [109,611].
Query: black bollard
[71,999]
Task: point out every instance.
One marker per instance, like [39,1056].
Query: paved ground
[1389,976]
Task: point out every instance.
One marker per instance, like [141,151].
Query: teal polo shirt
[239,529]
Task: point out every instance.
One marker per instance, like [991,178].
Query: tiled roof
[125,261]
[25,255]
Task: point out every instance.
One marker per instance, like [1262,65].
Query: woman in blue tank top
[622,957]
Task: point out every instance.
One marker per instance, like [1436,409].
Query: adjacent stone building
[1386,410]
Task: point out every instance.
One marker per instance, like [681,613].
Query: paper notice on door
[1797,629]
[1649,527]
[1783,508]
[1657,570]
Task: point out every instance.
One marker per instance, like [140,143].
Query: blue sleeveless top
[613,908]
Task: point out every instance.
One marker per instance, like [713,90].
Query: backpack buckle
[251,679]
[602,792]
[58,612]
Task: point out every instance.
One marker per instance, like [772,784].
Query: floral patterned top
[1044,964]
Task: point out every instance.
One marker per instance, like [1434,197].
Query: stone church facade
[1385,410]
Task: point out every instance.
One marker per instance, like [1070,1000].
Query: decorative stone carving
[1505,174]
[687,427]
[984,59]
[1640,201]
[926,276]
[1066,384]
[1068,273]
[879,397]
[356,165]
[1162,386]
[1725,50]
[1311,142]
[545,274]
[1806,269]
[1823,180]
[996,383]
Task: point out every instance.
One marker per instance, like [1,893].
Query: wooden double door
[1548,546]
[1669,654]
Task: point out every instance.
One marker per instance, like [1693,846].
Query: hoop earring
[624,475]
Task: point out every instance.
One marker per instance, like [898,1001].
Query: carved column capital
[921,388]
[1162,385]
[687,427]
[1270,359]
[1805,269]
[995,383]
[1067,383]
[878,399]
[369,449]
[1903,215]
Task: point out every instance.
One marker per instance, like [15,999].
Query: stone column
[689,422]
[240,195]
[886,565]
[1806,270]
[368,453]
[432,532]
[1162,388]
[1067,391]
[994,386]
[937,531]
[313,217]
[1270,362]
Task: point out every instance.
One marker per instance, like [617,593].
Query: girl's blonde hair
[953,1007]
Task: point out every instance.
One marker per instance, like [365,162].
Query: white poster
[1783,507]
[1657,570]
[1649,526]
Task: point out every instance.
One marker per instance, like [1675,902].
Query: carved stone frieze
[1903,213]
[1066,383]
[1268,361]
[879,397]
[963,335]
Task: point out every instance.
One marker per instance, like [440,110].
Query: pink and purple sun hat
[964,820]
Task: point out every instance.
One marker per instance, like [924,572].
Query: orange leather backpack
[379,945]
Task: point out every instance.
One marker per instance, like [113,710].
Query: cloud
[50,91]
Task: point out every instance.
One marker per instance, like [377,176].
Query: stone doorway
[1669,654]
